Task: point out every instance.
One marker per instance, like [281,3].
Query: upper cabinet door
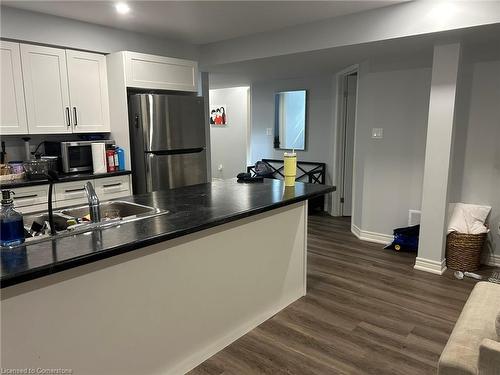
[162,73]
[88,92]
[13,108]
[46,89]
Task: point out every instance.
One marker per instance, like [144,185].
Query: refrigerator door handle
[177,152]
[149,176]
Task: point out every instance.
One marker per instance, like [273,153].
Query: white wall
[476,160]
[319,126]
[389,171]
[229,143]
[42,28]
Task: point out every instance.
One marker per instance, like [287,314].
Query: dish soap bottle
[11,222]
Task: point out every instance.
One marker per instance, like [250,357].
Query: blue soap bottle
[121,158]
[11,222]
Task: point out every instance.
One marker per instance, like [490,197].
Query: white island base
[162,309]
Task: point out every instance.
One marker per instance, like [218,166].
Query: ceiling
[201,22]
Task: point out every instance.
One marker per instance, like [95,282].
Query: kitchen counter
[62,178]
[191,209]
[177,288]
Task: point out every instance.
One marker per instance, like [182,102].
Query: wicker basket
[463,251]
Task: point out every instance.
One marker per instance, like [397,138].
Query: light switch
[220,167]
[377,133]
[269,131]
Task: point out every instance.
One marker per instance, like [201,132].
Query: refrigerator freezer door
[171,171]
[170,122]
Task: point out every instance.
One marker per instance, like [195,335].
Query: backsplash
[14,144]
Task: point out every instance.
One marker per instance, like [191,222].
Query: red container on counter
[110,159]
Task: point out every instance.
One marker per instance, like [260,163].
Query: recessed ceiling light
[122,8]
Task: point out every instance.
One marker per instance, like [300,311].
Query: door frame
[338,155]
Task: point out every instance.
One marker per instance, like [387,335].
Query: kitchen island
[159,295]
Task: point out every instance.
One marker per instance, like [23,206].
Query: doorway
[349,111]
[347,87]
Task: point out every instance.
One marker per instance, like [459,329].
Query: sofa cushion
[489,357]
[498,326]
[476,322]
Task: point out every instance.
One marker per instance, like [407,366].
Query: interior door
[13,108]
[350,118]
[165,172]
[88,92]
[46,89]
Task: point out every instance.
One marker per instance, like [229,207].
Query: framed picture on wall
[218,115]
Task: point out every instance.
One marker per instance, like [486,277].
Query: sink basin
[114,210]
[113,213]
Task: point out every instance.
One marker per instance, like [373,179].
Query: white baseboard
[421,264]
[371,236]
[431,266]
[215,347]
[355,230]
[492,260]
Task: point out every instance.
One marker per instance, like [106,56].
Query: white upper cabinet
[66,91]
[13,108]
[158,72]
[88,92]
[46,89]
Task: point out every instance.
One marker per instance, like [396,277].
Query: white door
[13,108]
[350,117]
[46,89]
[88,92]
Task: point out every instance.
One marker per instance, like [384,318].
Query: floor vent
[413,217]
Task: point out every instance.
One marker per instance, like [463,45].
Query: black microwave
[74,156]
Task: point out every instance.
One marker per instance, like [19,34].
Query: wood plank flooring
[367,311]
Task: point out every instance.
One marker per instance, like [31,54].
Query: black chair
[307,171]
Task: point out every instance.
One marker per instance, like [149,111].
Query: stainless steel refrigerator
[167,139]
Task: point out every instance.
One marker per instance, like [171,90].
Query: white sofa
[474,345]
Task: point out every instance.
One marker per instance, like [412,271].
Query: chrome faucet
[94,204]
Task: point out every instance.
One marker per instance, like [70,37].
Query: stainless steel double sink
[114,209]
[113,213]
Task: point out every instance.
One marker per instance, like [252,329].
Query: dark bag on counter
[263,170]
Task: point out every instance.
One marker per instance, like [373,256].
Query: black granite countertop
[62,178]
[192,209]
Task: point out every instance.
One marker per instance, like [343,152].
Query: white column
[431,251]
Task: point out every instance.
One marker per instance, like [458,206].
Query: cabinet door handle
[25,197]
[74,190]
[68,119]
[75,118]
[26,200]
[112,185]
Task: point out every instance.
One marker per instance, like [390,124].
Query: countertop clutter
[191,209]
[62,178]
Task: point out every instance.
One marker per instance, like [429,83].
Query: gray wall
[320,110]
[229,143]
[389,171]
[46,29]
[476,157]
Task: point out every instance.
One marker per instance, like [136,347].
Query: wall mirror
[290,120]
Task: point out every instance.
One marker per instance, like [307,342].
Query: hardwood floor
[367,311]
